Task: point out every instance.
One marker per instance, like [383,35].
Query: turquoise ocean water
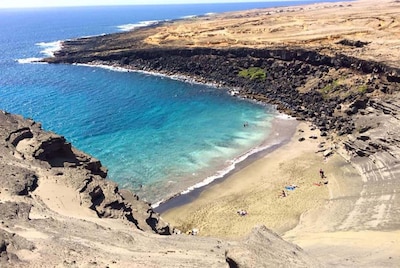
[157,136]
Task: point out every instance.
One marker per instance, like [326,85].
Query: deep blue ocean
[157,136]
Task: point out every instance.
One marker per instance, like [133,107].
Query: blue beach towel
[290,188]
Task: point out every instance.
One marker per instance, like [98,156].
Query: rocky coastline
[344,84]
[31,150]
[336,82]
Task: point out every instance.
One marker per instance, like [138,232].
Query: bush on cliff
[253,73]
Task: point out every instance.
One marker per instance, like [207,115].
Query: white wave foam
[30,60]
[189,16]
[182,78]
[107,67]
[131,26]
[285,117]
[49,47]
[220,174]
[89,36]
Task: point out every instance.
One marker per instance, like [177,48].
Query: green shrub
[331,87]
[362,89]
[253,73]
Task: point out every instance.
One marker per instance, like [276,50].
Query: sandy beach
[312,216]
[257,189]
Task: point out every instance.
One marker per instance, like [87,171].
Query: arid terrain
[332,66]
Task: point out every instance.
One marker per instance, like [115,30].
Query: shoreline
[178,77]
[285,128]
[256,187]
[268,145]
[335,123]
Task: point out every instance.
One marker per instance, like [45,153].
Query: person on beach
[283,194]
[242,212]
[325,182]
[321,173]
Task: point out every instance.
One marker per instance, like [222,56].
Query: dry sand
[318,26]
[256,189]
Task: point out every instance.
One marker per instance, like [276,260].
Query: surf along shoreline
[281,130]
[267,146]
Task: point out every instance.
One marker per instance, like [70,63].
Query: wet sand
[282,130]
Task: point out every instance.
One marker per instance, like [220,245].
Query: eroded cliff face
[31,155]
[32,159]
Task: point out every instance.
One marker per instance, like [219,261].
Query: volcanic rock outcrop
[30,152]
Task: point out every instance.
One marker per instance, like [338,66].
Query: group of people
[293,186]
[194,231]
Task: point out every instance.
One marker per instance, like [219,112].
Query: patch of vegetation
[253,73]
[362,89]
[336,87]
[331,87]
